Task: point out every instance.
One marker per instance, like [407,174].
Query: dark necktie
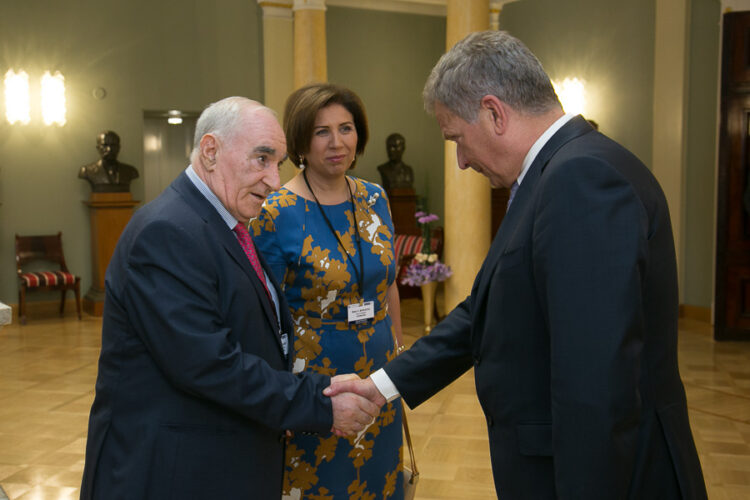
[246,242]
[513,190]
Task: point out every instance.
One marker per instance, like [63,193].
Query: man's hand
[364,387]
[352,413]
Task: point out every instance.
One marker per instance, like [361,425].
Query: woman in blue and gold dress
[328,238]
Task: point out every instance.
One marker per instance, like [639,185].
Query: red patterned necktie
[247,245]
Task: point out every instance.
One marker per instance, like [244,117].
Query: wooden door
[732,301]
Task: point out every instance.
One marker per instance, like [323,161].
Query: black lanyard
[358,272]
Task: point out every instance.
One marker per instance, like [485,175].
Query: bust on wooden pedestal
[397,178]
[111,206]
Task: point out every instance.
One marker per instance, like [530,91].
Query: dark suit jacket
[571,328]
[193,391]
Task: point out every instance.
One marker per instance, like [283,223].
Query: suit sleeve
[436,360]
[590,249]
[171,295]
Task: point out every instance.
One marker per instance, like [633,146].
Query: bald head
[239,147]
[224,118]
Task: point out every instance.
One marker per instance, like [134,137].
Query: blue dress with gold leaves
[320,281]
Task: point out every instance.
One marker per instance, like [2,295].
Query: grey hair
[223,119]
[489,63]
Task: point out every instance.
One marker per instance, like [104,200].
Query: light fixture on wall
[175,117]
[53,98]
[572,95]
[17,101]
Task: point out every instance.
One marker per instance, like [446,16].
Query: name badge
[285,343]
[361,312]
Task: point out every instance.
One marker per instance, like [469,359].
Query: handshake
[356,403]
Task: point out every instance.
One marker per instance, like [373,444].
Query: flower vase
[428,303]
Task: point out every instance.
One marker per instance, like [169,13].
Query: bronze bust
[396,174]
[107,175]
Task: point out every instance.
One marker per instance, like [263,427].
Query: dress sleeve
[384,206]
[377,198]
[267,239]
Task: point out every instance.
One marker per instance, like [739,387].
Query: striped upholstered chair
[48,249]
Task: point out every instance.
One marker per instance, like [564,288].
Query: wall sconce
[571,94]
[53,98]
[17,101]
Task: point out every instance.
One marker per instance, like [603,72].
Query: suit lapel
[284,325]
[574,128]
[228,240]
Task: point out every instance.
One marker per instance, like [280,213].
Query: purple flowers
[425,218]
[425,267]
[419,273]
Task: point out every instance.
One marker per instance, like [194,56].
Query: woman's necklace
[357,313]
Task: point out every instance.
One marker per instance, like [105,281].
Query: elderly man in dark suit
[194,391]
[571,325]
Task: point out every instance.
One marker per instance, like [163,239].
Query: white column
[496,6]
[670,93]
[468,207]
[310,59]
[278,61]
[278,52]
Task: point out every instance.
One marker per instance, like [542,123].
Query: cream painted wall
[148,56]
[701,154]
[610,44]
[669,115]
[386,57]
[185,54]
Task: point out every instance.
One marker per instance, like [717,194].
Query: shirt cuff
[384,384]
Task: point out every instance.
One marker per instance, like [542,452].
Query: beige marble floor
[48,367]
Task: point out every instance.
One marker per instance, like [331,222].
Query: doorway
[732,318]
[167,143]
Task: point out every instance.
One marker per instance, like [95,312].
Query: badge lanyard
[358,272]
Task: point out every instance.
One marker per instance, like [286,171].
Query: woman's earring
[301,161]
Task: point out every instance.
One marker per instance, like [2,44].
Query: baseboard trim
[695,312]
[45,309]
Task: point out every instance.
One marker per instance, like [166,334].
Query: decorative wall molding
[279,8]
[309,5]
[734,5]
[424,7]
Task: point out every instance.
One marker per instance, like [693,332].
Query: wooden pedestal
[109,214]
[403,206]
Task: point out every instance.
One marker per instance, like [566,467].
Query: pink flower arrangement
[425,267]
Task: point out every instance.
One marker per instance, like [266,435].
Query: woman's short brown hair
[302,107]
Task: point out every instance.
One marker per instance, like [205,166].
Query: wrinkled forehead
[263,130]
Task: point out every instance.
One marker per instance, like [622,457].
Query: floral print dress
[319,282]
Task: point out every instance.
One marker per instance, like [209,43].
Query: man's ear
[208,149]
[496,111]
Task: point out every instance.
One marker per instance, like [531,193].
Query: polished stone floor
[48,368]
